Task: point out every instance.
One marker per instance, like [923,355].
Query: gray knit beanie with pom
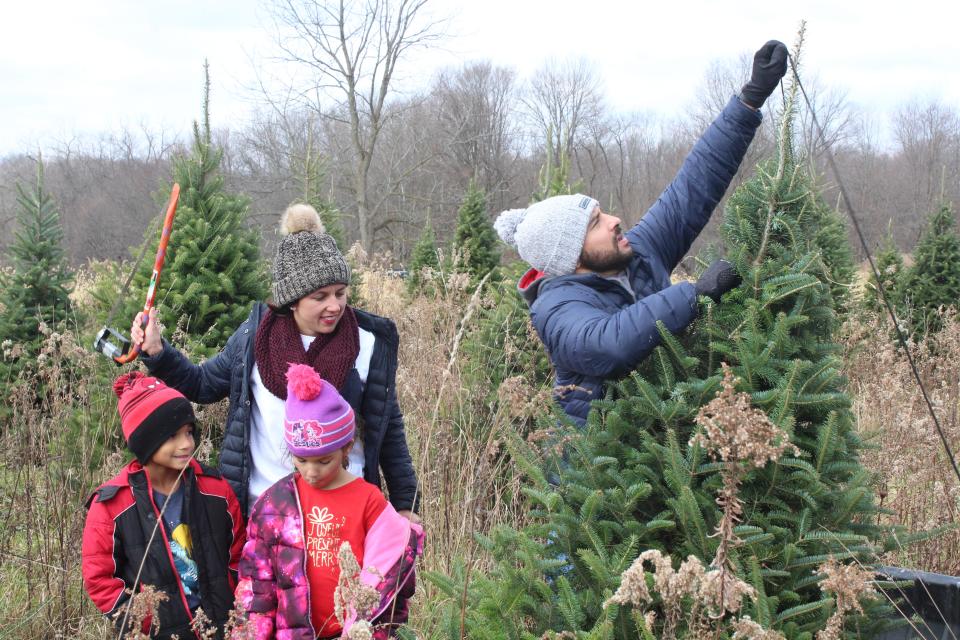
[307,257]
[549,234]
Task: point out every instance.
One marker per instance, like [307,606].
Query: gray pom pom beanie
[549,234]
[307,258]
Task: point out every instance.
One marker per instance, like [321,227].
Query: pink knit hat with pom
[318,420]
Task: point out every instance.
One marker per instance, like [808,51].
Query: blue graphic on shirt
[181,544]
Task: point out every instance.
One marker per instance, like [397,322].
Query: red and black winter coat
[122,516]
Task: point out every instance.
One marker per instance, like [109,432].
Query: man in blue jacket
[596,293]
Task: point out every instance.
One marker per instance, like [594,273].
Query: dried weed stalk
[744,438]
[238,625]
[203,626]
[351,593]
[140,613]
[691,594]
[849,584]
[362,630]
[746,629]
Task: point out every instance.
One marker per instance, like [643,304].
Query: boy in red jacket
[165,520]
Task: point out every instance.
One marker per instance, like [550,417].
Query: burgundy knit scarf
[278,345]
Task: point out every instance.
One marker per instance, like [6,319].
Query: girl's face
[323,472]
[319,312]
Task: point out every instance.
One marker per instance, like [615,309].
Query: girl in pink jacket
[289,568]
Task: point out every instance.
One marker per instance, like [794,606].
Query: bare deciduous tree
[475,111]
[928,135]
[350,50]
[564,98]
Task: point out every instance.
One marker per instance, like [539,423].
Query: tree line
[381,164]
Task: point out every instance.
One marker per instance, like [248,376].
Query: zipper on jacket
[303,533]
[166,545]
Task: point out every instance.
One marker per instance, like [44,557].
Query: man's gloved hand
[719,278]
[769,66]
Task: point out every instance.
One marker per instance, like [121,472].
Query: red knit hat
[150,412]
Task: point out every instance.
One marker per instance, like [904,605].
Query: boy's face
[176,452]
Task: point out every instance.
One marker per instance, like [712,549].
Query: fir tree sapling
[933,282]
[36,290]
[889,263]
[475,241]
[213,270]
[424,262]
[554,178]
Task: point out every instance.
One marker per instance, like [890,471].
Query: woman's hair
[280,310]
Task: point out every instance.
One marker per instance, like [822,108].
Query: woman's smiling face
[319,312]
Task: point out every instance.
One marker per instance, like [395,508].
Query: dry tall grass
[917,483]
[48,448]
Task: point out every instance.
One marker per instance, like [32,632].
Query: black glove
[719,278]
[769,66]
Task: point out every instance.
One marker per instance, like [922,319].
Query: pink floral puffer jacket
[274,589]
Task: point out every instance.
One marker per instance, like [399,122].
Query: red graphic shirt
[331,517]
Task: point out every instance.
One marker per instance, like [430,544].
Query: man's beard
[614,260]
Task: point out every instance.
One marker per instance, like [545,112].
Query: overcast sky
[74,69]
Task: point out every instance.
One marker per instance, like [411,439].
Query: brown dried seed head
[735,431]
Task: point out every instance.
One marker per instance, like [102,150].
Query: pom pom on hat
[300,217]
[319,421]
[304,381]
[124,382]
[506,225]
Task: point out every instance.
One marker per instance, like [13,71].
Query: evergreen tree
[637,479]
[889,265]
[330,217]
[829,238]
[424,257]
[934,279]
[475,240]
[36,290]
[213,269]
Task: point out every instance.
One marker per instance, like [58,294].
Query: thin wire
[876,274]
